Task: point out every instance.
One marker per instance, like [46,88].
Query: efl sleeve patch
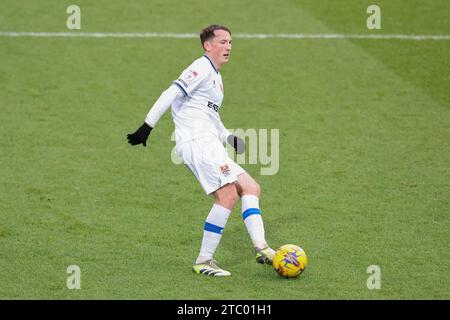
[190,79]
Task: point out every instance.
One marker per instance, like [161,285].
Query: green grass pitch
[364,151]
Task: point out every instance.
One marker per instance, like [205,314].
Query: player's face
[219,47]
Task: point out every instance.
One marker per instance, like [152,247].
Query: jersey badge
[191,76]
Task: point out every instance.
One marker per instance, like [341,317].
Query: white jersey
[196,113]
[196,97]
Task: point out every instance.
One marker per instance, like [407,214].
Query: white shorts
[210,163]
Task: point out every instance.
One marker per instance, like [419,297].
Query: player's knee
[227,196]
[233,196]
[252,188]
[255,189]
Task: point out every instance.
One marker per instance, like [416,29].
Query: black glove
[140,136]
[237,143]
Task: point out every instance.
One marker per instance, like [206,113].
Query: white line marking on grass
[99,34]
[344,36]
[237,35]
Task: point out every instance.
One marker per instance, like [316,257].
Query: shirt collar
[211,63]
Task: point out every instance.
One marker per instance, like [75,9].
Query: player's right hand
[140,136]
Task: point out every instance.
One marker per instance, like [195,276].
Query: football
[290,261]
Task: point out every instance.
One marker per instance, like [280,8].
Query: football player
[196,99]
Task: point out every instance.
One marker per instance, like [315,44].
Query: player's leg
[246,185]
[227,196]
[225,200]
[250,191]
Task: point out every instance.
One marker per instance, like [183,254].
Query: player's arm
[157,110]
[227,137]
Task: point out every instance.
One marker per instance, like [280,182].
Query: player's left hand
[237,143]
[140,136]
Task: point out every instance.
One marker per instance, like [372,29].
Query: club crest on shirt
[225,169]
[190,76]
